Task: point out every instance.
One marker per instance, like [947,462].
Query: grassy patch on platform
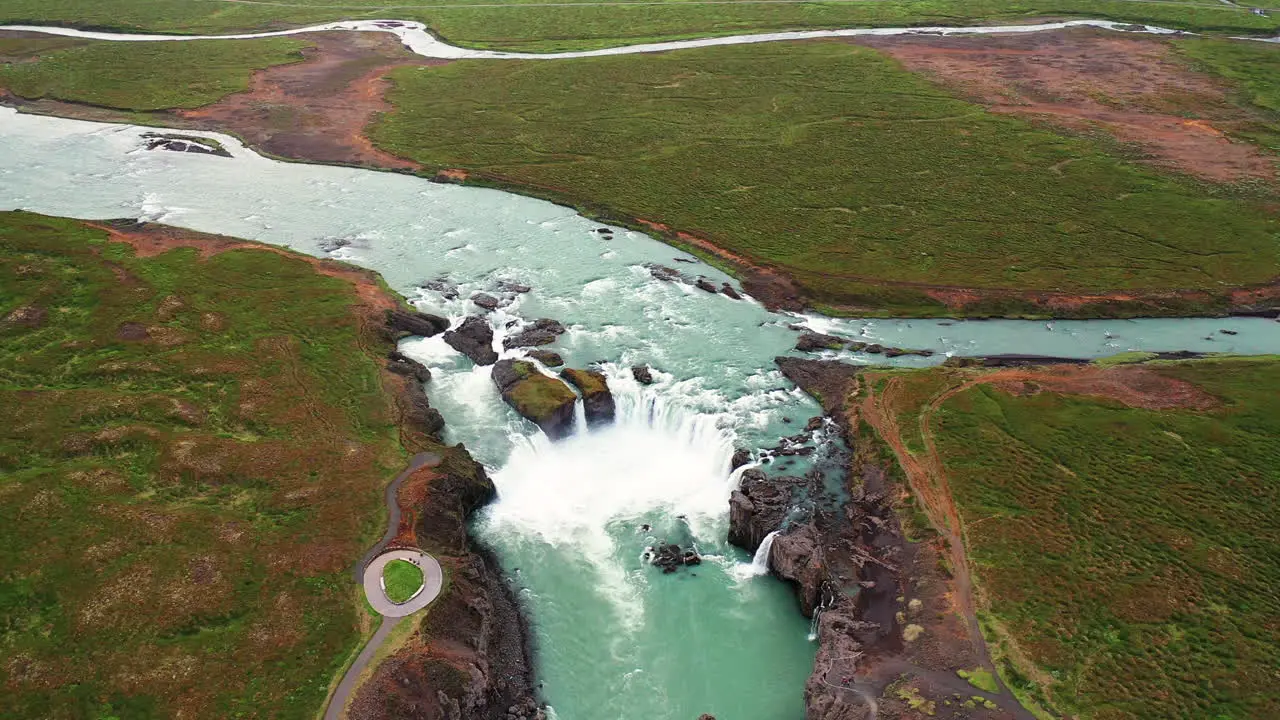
[402,579]
[191,452]
[145,76]
[829,161]
[1128,554]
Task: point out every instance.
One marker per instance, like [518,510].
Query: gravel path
[368,572]
[432,581]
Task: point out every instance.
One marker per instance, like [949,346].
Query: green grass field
[143,76]
[191,460]
[1128,554]
[829,161]
[540,26]
[402,580]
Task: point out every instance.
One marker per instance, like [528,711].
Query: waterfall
[660,463]
[579,416]
[760,561]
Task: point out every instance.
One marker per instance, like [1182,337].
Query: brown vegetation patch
[132,331]
[1130,86]
[317,109]
[29,316]
[1137,386]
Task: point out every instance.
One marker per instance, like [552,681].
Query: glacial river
[614,638]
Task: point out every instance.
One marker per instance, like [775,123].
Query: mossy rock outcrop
[544,400]
[596,398]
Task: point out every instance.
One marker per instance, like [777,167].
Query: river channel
[614,638]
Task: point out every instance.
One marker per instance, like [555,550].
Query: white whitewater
[760,561]
[418,39]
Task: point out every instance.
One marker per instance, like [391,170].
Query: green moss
[590,382]
[401,580]
[537,396]
[1124,358]
[980,678]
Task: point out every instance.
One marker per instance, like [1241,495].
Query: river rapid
[613,637]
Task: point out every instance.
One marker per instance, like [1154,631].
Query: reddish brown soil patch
[317,109]
[132,331]
[1134,385]
[1133,87]
[412,495]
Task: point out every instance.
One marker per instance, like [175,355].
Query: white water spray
[657,460]
[760,561]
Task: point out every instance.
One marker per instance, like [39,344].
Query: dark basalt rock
[797,555]
[180,143]
[547,357]
[642,374]
[486,301]
[1228,332]
[705,284]
[329,245]
[671,557]
[898,352]
[446,287]
[728,290]
[544,400]
[416,323]
[513,287]
[543,332]
[473,338]
[418,411]
[873,349]
[662,272]
[741,457]
[597,400]
[403,365]
[826,380]
[812,342]
[759,506]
